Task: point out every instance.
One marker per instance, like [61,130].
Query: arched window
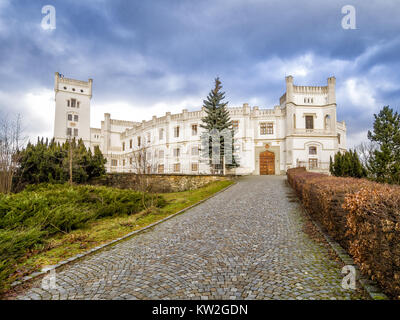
[327,122]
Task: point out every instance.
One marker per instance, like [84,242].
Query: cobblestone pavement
[245,243]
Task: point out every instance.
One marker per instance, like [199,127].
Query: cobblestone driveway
[247,242]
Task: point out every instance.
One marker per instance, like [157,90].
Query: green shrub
[28,218]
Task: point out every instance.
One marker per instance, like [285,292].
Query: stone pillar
[289,89]
[331,90]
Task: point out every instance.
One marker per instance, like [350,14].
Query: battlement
[310,89]
[293,91]
[72,85]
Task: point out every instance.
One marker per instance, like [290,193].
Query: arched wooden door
[267,163]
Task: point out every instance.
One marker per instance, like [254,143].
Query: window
[312,163]
[176,132]
[76,118]
[177,152]
[195,166]
[73,103]
[138,141]
[308,100]
[123,146]
[235,125]
[75,132]
[123,162]
[68,103]
[148,169]
[161,134]
[69,131]
[263,128]
[195,151]
[327,121]
[161,154]
[160,168]
[177,167]
[309,122]
[130,161]
[338,138]
[194,129]
[130,144]
[312,150]
[81,90]
[114,162]
[69,117]
[73,89]
[148,137]
[270,128]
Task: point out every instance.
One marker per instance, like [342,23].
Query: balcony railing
[313,131]
[314,166]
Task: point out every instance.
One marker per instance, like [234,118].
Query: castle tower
[72,115]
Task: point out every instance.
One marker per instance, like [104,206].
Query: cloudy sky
[149,57]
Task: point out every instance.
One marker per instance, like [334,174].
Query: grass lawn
[65,245]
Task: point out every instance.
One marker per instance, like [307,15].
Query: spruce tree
[347,164]
[217,118]
[384,164]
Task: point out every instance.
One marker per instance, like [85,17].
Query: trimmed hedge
[363,216]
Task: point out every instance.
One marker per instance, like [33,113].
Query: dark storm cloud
[162,52]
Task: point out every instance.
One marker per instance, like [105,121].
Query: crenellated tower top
[72,85]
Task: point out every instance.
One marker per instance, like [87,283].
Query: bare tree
[143,166]
[365,151]
[11,141]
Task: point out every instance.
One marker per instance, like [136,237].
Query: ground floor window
[177,167]
[114,162]
[160,168]
[313,163]
[195,166]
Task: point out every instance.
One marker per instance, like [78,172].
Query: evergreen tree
[384,164]
[97,163]
[347,164]
[49,162]
[217,120]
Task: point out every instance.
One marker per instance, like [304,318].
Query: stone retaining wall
[157,182]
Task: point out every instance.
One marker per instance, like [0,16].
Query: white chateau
[301,130]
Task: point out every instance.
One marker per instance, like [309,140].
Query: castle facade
[301,131]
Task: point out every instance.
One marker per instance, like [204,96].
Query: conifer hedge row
[363,216]
[29,218]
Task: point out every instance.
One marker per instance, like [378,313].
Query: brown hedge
[363,216]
